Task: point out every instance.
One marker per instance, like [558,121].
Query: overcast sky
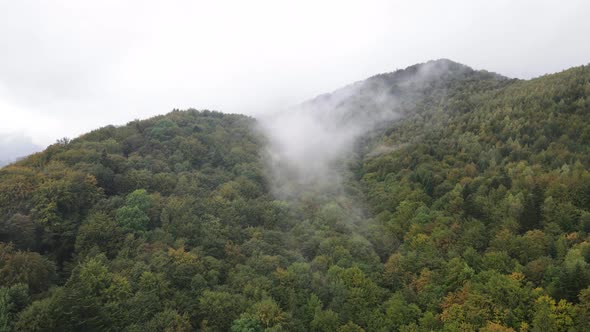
[67,67]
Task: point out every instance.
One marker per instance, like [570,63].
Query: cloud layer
[67,66]
[15,145]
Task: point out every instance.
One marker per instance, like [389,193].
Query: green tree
[134,215]
[219,309]
[28,268]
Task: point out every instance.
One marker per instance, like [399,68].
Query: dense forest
[469,212]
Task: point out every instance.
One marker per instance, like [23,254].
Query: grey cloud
[14,146]
[86,64]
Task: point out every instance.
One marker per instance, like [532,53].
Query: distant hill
[14,146]
[462,203]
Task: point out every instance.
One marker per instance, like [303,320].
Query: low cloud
[310,145]
[14,146]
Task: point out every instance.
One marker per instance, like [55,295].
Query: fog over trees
[436,197]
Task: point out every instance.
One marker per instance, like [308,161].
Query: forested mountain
[467,210]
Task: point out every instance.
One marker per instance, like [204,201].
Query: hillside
[463,204]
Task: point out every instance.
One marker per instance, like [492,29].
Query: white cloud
[67,67]
[15,145]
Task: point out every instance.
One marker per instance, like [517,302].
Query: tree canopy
[471,212]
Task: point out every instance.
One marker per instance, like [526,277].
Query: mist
[14,146]
[74,66]
[310,146]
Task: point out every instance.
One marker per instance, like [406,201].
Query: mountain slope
[485,197]
[470,209]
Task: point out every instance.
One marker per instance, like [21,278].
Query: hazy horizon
[69,67]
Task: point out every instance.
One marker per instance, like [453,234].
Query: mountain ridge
[461,203]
